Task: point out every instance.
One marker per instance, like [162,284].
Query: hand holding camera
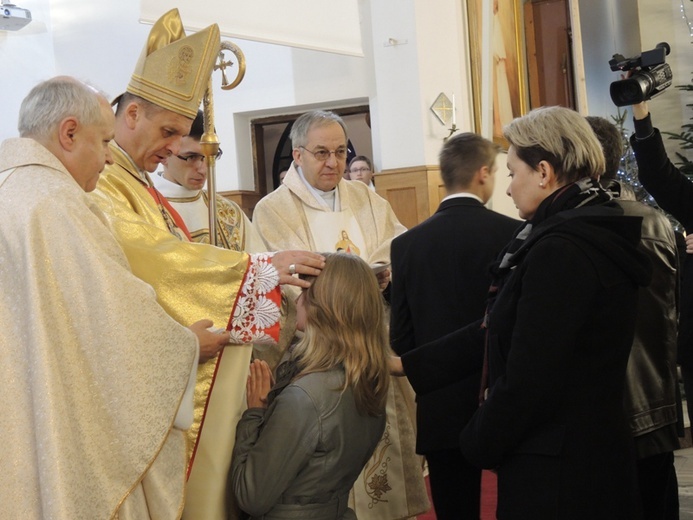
[648,75]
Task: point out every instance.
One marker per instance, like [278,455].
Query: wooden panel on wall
[405,202]
[414,193]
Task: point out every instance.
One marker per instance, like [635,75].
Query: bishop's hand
[290,263]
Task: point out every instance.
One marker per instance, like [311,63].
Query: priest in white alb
[97,391]
[315,208]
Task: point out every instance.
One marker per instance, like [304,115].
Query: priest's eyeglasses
[195,158]
[322,155]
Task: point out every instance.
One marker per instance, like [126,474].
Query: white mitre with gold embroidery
[174,69]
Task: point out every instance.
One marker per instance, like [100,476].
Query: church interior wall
[101,41]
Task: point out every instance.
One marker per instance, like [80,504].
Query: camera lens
[631,91]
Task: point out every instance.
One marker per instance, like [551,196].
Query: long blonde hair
[345,325]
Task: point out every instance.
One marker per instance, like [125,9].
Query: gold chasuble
[93,369]
[194,281]
[234,231]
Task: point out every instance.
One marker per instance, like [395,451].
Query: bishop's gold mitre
[174,69]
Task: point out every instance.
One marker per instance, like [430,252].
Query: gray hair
[51,101]
[561,137]
[303,124]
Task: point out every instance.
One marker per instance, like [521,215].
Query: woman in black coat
[558,332]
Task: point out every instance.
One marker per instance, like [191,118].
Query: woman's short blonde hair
[345,325]
[561,137]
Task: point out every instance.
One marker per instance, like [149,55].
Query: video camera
[650,76]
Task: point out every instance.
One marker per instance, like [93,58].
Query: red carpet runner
[488,498]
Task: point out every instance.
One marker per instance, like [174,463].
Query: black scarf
[554,214]
[585,192]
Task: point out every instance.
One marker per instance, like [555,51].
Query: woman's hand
[259,384]
[689,244]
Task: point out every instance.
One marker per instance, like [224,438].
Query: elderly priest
[96,391]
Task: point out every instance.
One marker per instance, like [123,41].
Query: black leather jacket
[651,380]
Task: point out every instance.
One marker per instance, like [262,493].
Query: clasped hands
[259,384]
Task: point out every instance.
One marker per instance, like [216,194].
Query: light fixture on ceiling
[13,18]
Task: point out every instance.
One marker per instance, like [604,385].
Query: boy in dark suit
[440,283]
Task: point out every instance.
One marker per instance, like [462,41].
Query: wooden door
[549,51]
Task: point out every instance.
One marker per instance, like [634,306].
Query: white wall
[608,27]
[100,42]
[94,41]
[26,57]
[419,50]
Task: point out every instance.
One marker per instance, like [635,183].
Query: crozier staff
[191,280]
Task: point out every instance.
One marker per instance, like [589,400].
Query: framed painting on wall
[508,77]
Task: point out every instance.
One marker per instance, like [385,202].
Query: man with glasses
[316,209]
[314,205]
[182,181]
